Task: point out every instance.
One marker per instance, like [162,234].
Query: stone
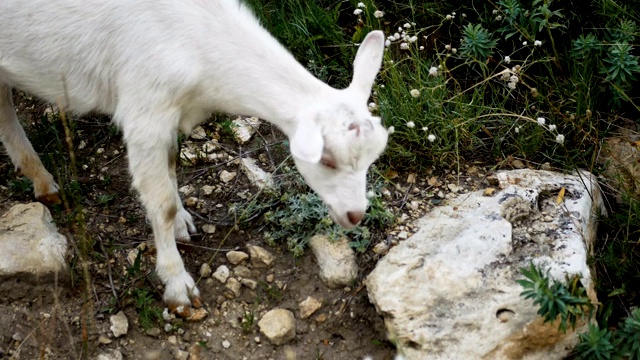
[450,291]
[309,306]
[244,128]
[260,257]
[235,286]
[278,325]
[250,283]
[32,252]
[336,259]
[209,228]
[227,176]
[222,273]
[187,190]
[237,257]
[154,332]
[109,354]
[119,324]
[621,159]
[104,340]
[226,344]
[205,270]
[258,177]
[198,133]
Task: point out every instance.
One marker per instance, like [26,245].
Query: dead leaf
[489,192]
[391,174]
[433,181]
[411,178]
[560,197]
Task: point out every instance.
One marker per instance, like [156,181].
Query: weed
[248,321]
[148,311]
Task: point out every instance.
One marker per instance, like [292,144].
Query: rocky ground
[262,302]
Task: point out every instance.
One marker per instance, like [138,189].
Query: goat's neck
[269,83]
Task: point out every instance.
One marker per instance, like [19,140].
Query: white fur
[162,66]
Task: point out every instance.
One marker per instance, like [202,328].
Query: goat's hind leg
[22,154]
[184,221]
[150,143]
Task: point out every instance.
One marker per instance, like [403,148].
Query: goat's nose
[355,216]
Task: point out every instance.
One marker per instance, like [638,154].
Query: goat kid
[163,66]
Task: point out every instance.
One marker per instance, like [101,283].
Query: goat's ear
[307,143]
[367,63]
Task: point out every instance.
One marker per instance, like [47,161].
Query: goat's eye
[328,163]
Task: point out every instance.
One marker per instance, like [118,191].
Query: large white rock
[336,259]
[278,325]
[32,252]
[244,128]
[258,177]
[450,291]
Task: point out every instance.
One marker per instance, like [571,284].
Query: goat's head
[336,142]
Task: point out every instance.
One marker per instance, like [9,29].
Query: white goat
[160,66]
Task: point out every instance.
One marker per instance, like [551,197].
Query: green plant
[597,344]
[629,334]
[477,42]
[148,311]
[568,302]
[248,321]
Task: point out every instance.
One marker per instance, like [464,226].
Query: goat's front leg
[24,158]
[184,221]
[150,144]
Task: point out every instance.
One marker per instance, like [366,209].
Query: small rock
[110,354]
[207,189]
[518,164]
[278,325]
[168,328]
[187,190]
[172,340]
[260,257]
[241,271]
[209,228]
[440,194]
[205,270]
[104,340]
[198,133]
[257,339]
[222,273]
[381,248]
[227,176]
[454,188]
[17,337]
[119,324]
[251,284]
[403,235]
[270,278]
[236,257]
[196,315]
[191,201]
[489,192]
[154,332]
[235,286]
[321,318]
[244,128]
[308,307]
[180,354]
[226,344]
[336,259]
[258,177]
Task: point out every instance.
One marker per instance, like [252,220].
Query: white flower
[552,127]
[424,128]
[431,138]
[396,36]
[421,47]
[373,105]
[453,13]
[448,47]
[464,15]
[495,11]
[413,39]
[449,17]
[454,50]
[378,14]
[387,43]
[524,43]
[391,130]
[511,85]
[541,121]
[433,71]
[507,59]
[404,46]
[357,11]
[537,43]
[560,139]
[415,93]
[498,18]
[411,125]
[381,86]
[371,194]
[361,5]
[517,129]
[407,25]
[514,79]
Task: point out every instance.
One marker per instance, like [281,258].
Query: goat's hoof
[50,198]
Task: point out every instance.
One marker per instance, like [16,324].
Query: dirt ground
[70,320]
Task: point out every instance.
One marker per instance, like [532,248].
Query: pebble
[234,285]
[270,278]
[104,340]
[309,306]
[222,273]
[251,284]
[119,324]
[209,228]
[187,190]
[237,257]
[227,176]
[205,270]
[226,344]
[260,257]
